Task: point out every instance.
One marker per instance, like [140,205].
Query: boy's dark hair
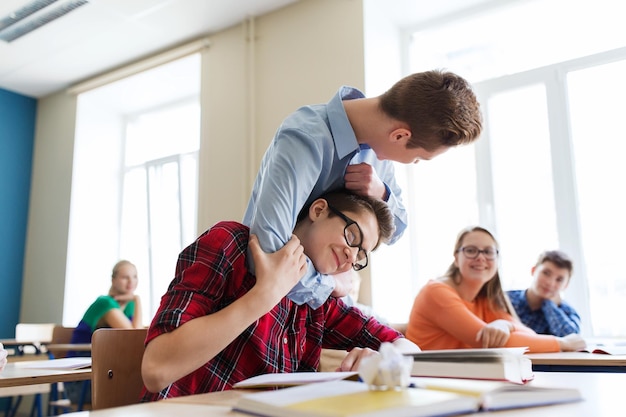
[346,201]
[439,107]
[558,258]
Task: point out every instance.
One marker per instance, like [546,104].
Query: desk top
[19,345]
[602,394]
[15,342]
[78,347]
[164,408]
[22,373]
[577,359]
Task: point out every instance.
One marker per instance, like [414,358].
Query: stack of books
[501,364]
[445,383]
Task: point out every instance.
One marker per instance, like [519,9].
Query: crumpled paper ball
[390,370]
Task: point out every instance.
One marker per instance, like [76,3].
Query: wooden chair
[60,335]
[33,336]
[29,339]
[57,400]
[116,356]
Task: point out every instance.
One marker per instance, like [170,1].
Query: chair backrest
[33,335]
[34,332]
[60,335]
[116,356]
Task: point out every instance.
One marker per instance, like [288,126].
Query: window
[599,171]
[160,192]
[545,171]
[134,183]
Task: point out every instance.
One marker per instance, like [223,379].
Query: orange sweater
[441,319]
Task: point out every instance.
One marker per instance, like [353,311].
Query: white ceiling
[106,34]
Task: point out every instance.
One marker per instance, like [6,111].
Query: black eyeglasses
[354,238]
[472,252]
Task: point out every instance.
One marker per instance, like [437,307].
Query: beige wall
[48,217]
[254,74]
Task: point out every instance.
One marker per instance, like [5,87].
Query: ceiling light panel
[33,16]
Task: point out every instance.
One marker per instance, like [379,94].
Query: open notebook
[353,399]
[62,363]
[430,397]
[606,349]
[281,380]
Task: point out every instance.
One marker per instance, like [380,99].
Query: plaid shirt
[557,320]
[211,273]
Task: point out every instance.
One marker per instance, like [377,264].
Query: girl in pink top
[467,308]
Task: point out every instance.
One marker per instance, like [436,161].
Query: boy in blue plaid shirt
[540,307]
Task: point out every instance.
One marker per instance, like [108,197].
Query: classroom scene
[312,208]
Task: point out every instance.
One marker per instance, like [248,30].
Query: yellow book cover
[354,399]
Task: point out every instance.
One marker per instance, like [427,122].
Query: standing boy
[541,307]
[351,142]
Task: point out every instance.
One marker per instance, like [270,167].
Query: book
[502,364]
[500,395]
[354,399]
[279,380]
[427,397]
[606,350]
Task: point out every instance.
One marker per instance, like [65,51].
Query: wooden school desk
[66,347]
[16,374]
[18,345]
[577,362]
[602,394]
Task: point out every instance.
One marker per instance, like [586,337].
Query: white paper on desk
[63,363]
[292,379]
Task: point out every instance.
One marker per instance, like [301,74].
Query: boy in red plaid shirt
[218,324]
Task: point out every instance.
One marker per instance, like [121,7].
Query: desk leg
[12,409]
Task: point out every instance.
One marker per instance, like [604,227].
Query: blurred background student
[541,306]
[467,308]
[120,308]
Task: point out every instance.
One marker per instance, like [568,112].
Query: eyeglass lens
[473,252]
[353,236]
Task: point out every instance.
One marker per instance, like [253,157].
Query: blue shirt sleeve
[289,172]
[562,320]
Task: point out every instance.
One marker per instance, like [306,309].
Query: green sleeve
[99,308]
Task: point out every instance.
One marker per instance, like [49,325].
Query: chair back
[33,336]
[34,332]
[116,356]
[60,335]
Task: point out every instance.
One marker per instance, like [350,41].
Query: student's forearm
[173,355]
[137,314]
[406,346]
[560,322]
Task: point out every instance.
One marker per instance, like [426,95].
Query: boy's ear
[401,134]
[317,209]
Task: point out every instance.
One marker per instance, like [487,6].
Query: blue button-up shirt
[307,158]
[558,320]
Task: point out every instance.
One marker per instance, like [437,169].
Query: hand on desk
[571,343]
[353,359]
[3,357]
[495,334]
